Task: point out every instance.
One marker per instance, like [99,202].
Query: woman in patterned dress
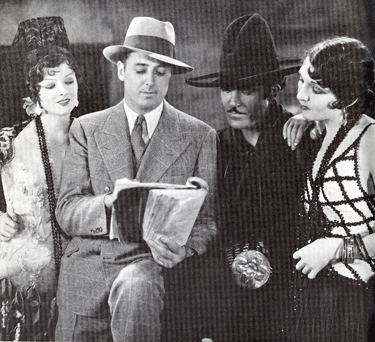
[335,261]
[31,243]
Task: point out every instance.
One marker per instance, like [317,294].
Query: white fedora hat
[152,37]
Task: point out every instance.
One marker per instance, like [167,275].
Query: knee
[140,280]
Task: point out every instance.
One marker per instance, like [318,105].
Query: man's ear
[274,91]
[121,71]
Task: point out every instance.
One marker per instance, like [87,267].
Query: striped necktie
[139,137]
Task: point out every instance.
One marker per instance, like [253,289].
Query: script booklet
[150,210]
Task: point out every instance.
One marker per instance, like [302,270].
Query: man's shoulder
[95,120]
[188,121]
[280,113]
[98,116]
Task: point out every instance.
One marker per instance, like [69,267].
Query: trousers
[135,303]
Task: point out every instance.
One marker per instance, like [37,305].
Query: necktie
[139,137]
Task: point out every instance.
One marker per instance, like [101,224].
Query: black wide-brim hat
[248,56]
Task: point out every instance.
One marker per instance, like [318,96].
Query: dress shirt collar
[152,118]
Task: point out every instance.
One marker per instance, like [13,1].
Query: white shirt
[152,118]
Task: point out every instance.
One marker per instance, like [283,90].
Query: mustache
[234,110]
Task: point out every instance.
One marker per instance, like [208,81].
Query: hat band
[152,44]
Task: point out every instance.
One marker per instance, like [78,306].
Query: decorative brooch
[251,269]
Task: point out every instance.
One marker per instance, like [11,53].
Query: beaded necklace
[331,149]
[314,215]
[57,243]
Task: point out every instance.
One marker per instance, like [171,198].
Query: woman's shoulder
[367,142]
[366,128]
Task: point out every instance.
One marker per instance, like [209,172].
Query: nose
[150,78]
[62,89]
[302,94]
[235,99]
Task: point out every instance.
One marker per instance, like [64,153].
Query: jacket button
[107,189]
[97,230]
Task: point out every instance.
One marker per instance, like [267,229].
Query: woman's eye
[49,86]
[318,91]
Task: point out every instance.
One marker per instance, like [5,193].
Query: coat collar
[166,145]
[113,142]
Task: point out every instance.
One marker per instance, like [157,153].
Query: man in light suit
[107,289]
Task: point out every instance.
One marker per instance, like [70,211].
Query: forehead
[63,69]
[143,59]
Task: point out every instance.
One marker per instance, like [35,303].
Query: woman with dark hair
[337,243]
[31,243]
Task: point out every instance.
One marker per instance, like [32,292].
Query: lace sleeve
[7,136]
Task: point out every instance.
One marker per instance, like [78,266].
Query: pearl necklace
[56,235]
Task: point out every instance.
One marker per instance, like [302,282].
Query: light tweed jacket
[100,153]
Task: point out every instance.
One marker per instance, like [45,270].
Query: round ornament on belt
[251,269]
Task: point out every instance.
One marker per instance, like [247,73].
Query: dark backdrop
[93,24]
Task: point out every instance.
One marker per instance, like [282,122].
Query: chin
[307,115]
[237,124]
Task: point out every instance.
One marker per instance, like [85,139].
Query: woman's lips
[64,102]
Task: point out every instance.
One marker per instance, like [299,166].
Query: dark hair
[346,67]
[39,60]
[123,57]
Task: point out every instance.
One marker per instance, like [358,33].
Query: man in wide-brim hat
[111,290]
[258,189]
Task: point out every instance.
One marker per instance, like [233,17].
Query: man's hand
[168,253]
[8,226]
[316,255]
[294,130]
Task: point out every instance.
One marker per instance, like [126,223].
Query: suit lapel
[165,147]
[114,144]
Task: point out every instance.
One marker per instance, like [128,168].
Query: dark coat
[259,187]
[259,192]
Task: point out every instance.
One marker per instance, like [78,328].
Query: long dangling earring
[344,117]
[38,109]
[345,112]
[77,103]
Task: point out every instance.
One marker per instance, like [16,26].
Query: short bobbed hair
[345,66]
[40,60]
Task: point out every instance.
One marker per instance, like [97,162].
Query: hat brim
[214,80]
[113,54]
